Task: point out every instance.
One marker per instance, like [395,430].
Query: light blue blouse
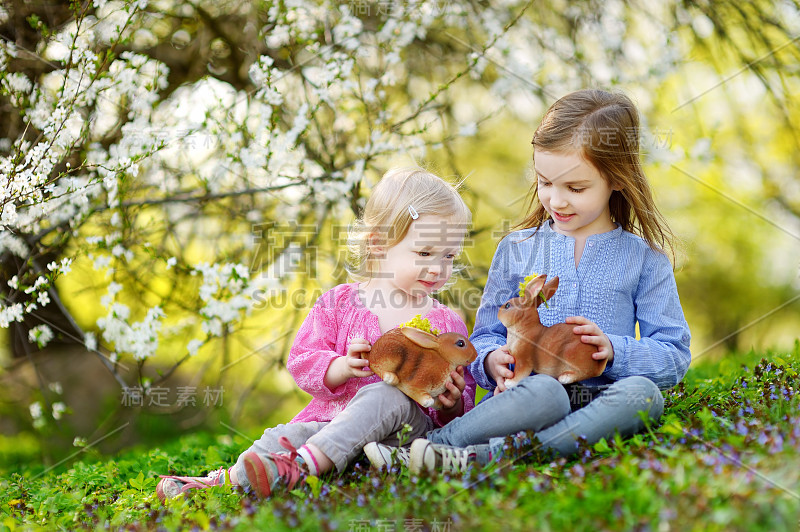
[619,281]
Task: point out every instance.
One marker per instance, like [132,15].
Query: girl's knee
[545,385]
[378,390]
[381,398]
[642,394]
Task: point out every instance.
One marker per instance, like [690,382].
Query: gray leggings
[377,412]
[541,404]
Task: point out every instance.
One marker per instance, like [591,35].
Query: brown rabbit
[554,351]
[419,363]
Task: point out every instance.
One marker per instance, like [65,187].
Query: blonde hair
[604,128]
[388,213]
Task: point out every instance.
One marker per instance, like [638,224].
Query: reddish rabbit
[419,363]
[556,351]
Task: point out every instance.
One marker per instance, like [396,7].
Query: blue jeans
[541,404]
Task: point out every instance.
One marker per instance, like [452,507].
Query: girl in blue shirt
[592,223]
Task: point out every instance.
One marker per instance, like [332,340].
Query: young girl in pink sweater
[412,228]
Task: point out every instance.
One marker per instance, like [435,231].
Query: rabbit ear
[534,286]
[550,288]
[423,339]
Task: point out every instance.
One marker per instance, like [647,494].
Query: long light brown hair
[604,128]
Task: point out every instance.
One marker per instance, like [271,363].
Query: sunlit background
[190,170]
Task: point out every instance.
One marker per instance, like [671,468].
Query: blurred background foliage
[720,143]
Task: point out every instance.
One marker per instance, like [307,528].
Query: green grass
[725,457]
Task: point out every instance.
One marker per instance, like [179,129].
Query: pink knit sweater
[336,318]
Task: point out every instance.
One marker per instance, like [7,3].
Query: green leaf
[672,453]
[138,482]
[706,417]
[212,456]
[602,446]
[315,485]
[300,494]
[673,428]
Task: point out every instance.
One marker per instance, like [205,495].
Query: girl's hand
[351,365]
[452,397]
[452,402]
[357,366]
[591,334]
[496,365]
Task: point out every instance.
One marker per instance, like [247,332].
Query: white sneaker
[434,457]
[381,455]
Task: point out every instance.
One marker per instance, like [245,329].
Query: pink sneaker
[171,485]
[266,473]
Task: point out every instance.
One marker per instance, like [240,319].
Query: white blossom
[341,92]
[43,298]
[223,291]
[17,82]
[140,339]
[40,335]
[35,410]
[58,409]
[468,130]
[193,346]
[90,341]
[702,150]
[103,261]
[346,30]
[278,37]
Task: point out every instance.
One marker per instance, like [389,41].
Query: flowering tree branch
[192,160]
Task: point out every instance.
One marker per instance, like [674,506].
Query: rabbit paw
[567,377]
[426,401]
[391,378]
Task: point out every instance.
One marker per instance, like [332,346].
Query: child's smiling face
[573,192]
[422,262]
